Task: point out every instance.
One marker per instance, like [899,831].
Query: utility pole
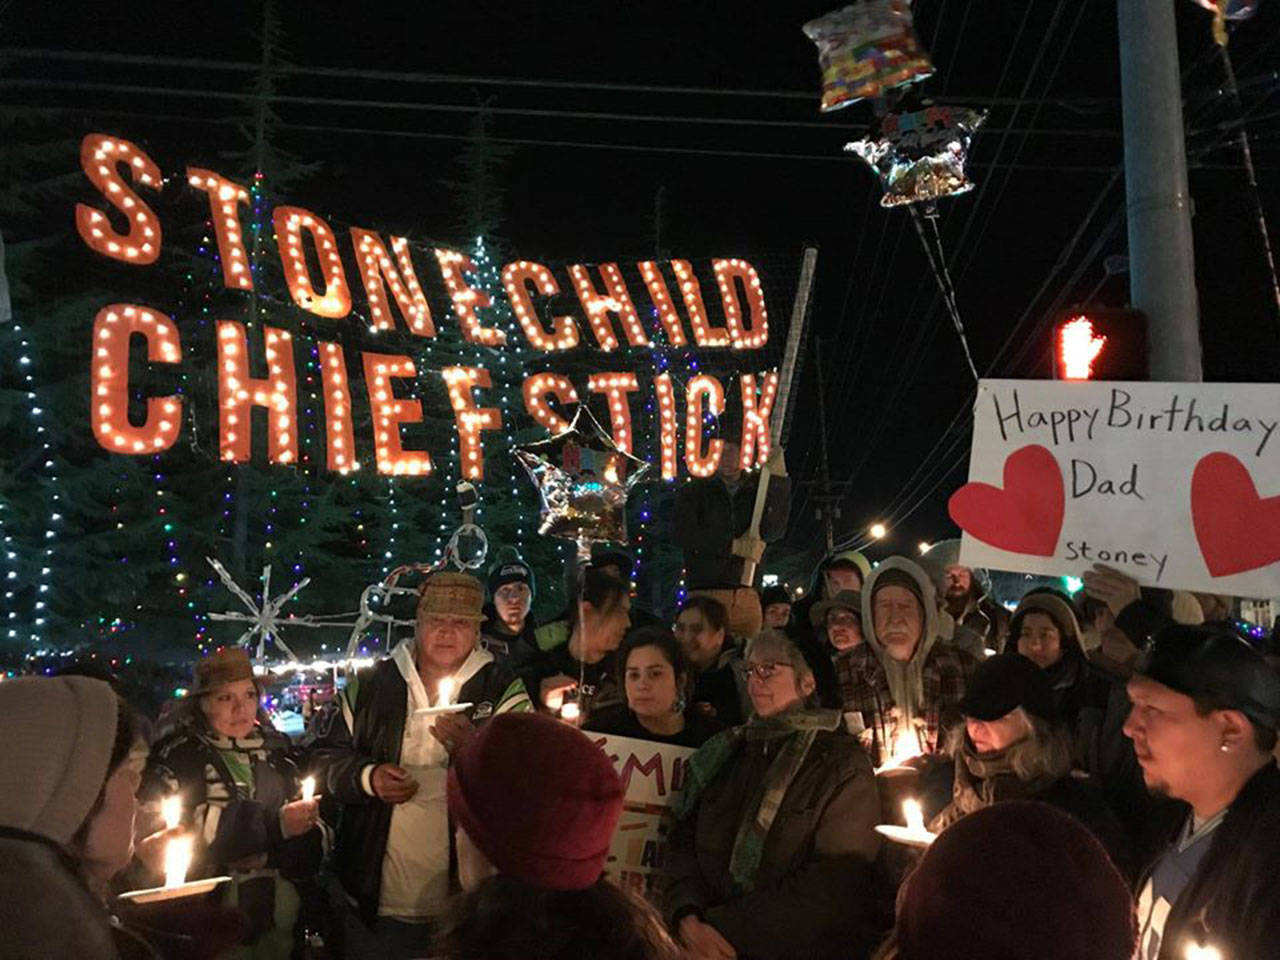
[828,505]
[1161,257]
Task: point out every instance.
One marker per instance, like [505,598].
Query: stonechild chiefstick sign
[1175,484]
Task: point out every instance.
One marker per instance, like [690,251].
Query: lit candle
[555,701]
[177,860]
[171,810]
[444,692]
[570,711]
[308,788]
[914,815]
[1197,952]
[906,746]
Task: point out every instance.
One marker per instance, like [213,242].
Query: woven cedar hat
[449,594]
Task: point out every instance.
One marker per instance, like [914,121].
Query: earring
[679,705]
[1224,748]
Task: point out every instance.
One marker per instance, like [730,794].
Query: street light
[878,531]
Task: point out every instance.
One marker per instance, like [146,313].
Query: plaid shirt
[864,688]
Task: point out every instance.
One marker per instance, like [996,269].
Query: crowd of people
[1099,773]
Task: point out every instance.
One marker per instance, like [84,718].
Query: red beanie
[1012,881]
[538,798]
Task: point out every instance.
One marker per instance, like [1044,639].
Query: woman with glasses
[655,678]
[771,855]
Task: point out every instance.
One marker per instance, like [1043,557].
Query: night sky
[896,384]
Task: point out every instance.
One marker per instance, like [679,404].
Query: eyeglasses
[764,671]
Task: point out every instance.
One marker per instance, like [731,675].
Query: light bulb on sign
[177,861]
[171,810]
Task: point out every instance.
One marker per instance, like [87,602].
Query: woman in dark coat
[1045,630]
[655,678]
[771,855]
[239,789]
[1012,746]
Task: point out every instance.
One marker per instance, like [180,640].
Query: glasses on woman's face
[766,670]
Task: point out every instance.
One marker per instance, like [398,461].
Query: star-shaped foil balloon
[583,479]
[920,156]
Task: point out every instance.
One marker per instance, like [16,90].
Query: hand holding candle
[308,789]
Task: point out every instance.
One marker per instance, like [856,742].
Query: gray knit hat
[59,732]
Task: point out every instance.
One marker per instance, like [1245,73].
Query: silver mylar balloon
[583,479]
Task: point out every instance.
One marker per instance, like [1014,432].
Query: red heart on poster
[1023,517]
[1237,530]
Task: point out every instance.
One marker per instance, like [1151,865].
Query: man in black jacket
[383,752]
[509,625]
[1206,707]
[711,523]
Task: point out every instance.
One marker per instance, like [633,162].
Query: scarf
[238,755]
[983,779]
[794,732]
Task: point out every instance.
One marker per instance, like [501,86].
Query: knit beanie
[538,798]
[992,886]
[897,577]
[58,732]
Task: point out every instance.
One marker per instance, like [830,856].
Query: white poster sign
[652,776]
[1175,484]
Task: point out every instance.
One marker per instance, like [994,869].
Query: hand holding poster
[652,776]
[1175,484]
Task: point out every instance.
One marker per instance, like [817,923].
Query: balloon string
[584,560]
[938,264]
[1247,153]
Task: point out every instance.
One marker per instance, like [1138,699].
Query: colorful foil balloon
[866,49]
[583,479]
[921,156]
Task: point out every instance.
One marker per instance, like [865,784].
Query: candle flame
[309,788]
[177,861]
[1207,952]
[171,810]
[906,746]
[914,815]
[444,692]
[570,711]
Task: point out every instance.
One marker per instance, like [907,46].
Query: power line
[569,144]
[349,73]
[74,86]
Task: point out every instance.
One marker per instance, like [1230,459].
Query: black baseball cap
[1215,664]
[1005,682]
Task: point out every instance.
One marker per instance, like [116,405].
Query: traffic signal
[1100,344]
